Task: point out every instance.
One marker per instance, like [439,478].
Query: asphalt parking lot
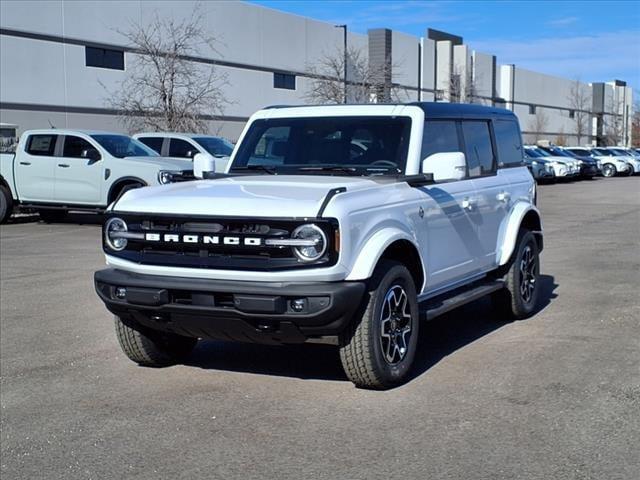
[552,397]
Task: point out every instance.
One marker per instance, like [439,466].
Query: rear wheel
[51,216]
[6,204]
[520,297]
[377,349]
[152,348]
[608,170]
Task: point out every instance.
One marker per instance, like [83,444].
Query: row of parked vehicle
[53,170]
[551,162]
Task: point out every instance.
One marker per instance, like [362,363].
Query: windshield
[558,152]
[215,146]
[532,152]
[618,151]
[603,151]
[581,151]
[336,145]
[121,146]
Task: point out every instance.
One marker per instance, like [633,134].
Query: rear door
[35,168]
[449,237]
[79,172]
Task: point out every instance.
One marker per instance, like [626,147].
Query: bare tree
[635,126]
[613,121]
[367,83]
[463,87]
[539,124]
[164,88]
[579,100]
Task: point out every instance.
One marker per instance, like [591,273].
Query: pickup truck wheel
[150,348]
[51,216]
[377,349]
[520,297]
[6,204]
[609,170]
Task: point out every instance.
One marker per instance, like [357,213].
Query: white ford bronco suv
[55,171]
[336,224]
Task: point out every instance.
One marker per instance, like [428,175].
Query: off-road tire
[361,346]
[509,301]
[151,348]
[6,204]
[51,215]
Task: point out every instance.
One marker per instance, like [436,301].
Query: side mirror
[445,166]
[203,163]
[92,154]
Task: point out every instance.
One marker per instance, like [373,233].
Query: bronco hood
[242,196]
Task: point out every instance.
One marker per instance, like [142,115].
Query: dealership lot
[555,396]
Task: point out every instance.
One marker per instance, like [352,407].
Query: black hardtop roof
[433,109]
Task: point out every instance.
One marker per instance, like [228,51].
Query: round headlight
[316,239]
[113,234]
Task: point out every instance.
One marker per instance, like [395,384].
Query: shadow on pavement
[438,339]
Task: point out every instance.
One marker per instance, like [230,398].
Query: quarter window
[76,147]
[508,142]
[478,147]
[154,143]
[42,145]
[181,148]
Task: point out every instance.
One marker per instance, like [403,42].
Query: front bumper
[258,312]
[589,170]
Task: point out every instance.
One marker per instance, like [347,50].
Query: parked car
[630,156]
[541,169]
[611,165]
[589,167]
[187,145]
[55,171]
[330,244]
[562,169]
[573,164]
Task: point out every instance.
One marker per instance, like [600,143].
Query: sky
[591,40]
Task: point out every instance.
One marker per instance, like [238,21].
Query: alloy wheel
[395,325]
[527,274]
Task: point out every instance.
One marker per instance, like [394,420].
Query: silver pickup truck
[55,171]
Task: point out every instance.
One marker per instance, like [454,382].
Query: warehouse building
[60,59]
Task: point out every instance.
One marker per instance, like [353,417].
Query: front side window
[121,146]
[42,145]
[154,143]
[76,147]
[181,148]
[338,145]
[440,136]
[215,146]
[508,143]
[478,147]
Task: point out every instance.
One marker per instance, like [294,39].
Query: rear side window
[42,145]
[76,147]
[508,143]
[440,136]
[154,143]
[478,148]
[181,148]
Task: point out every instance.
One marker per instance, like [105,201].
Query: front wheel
[152,348]
[377,349]
[609,170]
[6,204]
[519,298]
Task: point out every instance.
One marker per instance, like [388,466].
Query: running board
[434,307]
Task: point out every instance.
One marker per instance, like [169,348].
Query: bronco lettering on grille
[204,239]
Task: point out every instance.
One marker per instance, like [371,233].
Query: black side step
[434,307]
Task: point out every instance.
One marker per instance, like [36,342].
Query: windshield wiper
[264,168]
[330,168]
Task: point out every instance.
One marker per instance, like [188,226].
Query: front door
[35,168]
[79,172]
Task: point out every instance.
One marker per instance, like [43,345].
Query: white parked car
[355,223]
[630,156]
[562,167]
[56,170]
[187,145]
[611,165]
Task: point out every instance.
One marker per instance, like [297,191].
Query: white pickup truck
[336,224]
[55,171]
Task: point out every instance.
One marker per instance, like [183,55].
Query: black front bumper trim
[261,312]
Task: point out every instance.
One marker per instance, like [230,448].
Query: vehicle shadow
[438,339]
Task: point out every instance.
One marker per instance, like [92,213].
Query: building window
[572,114]
[284,80]
[104,58]
[532,109]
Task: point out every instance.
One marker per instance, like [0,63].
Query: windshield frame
[244,150]
[149,152]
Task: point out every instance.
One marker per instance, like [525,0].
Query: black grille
[219,256]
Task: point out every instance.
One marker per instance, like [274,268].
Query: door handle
[25,163]
[468,204]
[503,197]
[63,165]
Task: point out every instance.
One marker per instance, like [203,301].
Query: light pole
[344,28]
